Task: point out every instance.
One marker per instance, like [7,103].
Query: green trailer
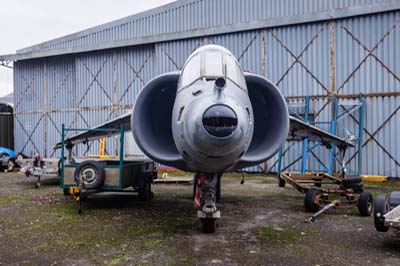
[82,177]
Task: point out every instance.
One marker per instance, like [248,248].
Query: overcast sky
[26,22]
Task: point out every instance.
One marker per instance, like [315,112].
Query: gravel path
[261,224]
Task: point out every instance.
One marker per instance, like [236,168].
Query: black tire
[59,165]
[354,183]
[10,165]
[365,204]
[394,199]
[312,200]
[317,183]
[381,207]
[19,157]
[208,225]
[66,191]
[92,172]
[281,182]
[144,192]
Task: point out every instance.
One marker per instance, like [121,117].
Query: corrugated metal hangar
[316,48]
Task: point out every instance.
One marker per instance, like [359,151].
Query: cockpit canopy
[211,62]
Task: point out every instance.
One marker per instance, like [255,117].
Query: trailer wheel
[312,200]
[208,225]
[281,182]
[91,173]
[381,207]
[365,204]
[66,191]
[10,165]
[19,157]
[145,192]
[59,165]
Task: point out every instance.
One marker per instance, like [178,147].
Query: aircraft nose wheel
[208,225]
[205,198]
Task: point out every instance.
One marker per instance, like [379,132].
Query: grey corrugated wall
[345,56]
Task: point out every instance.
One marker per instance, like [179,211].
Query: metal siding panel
[135,69]
[286,43]
[179,14]
[371,76]
[170,56]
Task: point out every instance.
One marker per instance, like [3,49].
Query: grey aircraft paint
[211,117]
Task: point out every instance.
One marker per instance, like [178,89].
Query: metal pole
[121,154]
[360,134]
[62,155]
[333,131]
[306,140]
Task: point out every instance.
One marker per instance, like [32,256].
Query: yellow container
[374,178]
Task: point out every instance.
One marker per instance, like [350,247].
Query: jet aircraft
[211,118]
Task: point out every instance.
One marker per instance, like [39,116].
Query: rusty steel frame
[298,57]
[303,183]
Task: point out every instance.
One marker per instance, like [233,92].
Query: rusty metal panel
[29,133]
[60,83]
[381,142]
[29,80]
[134,68]
[94,79]
[297,58]
[367,54]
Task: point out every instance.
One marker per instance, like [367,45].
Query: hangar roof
[194,18]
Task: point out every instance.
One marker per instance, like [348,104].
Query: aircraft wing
[94,134]
[300,130]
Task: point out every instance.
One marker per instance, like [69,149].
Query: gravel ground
[261,224]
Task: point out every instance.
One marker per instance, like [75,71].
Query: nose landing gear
[207,192]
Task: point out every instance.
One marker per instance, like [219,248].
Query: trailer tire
[312,200]
[381,207]
[66,191]
[19,157]
[92,172]
[365,204]
[145,192]
[281,182]
[59,165]
[10,165]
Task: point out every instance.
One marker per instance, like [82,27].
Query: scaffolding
[338,125]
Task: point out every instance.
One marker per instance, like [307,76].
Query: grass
[279,236]
[118,259]
[390,185]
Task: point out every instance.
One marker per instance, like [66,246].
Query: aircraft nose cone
[220,120]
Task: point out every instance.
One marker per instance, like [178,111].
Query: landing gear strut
[207,193]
